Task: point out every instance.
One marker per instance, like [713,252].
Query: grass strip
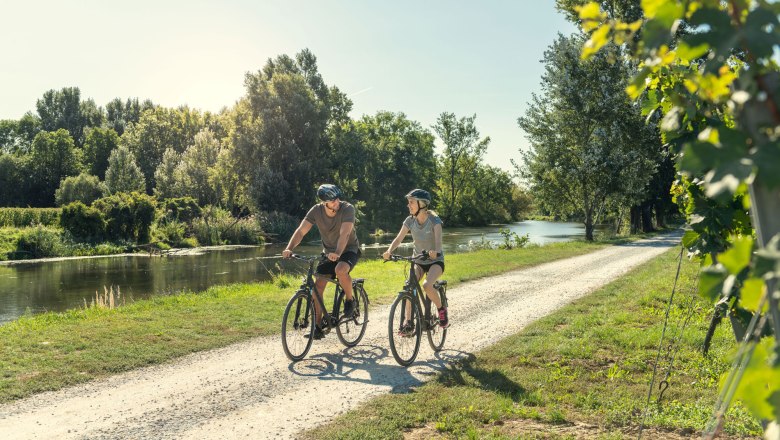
[581,372]
[52,350]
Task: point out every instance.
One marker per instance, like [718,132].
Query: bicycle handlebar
[421,256]
[306,258]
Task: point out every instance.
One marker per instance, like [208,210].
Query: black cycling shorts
[328,267]
[427,267]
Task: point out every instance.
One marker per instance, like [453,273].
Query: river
[35,287]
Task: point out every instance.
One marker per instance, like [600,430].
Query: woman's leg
[434,273]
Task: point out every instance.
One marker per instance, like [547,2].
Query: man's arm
[296,238]
[344,232]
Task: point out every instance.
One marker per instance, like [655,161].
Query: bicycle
[299,315]
[405,342]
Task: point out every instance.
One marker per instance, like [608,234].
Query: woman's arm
[398,239]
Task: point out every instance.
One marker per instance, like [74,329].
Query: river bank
[59,284]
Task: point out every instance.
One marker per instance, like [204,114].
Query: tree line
[264,155]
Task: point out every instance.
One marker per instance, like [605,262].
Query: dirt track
[251,390]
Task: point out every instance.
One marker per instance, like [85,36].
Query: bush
[129,216]
[512,240]
[83,222]
[169,231]
[217,227]
[25,217]
[83,188]
[40,242]
[278,225]
[184,209]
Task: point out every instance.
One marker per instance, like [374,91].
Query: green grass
[590,362]
[52,350]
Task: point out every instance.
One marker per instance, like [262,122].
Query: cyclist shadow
[361,364]
[463,370]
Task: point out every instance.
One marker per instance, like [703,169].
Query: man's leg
[345,280]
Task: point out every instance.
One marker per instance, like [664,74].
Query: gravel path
[251,390]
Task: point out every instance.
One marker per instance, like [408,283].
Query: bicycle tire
[298,318]
[436,334]
[354,328]
[404,348]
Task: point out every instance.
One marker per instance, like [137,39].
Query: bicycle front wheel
[298,326]
[351,329]
[436,334]
[404,331]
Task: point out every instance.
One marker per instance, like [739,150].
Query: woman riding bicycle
[425,227]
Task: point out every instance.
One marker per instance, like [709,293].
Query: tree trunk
[636,219]
[647,217]
[589,226]
[660,214]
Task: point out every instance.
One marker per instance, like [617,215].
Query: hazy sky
[418,57]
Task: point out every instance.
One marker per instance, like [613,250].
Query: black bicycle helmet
[328,192]
[420,195]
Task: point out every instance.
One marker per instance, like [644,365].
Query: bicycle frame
[413,282]
[328,320]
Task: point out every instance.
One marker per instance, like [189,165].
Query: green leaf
[768,259]
[723,182]
[689,238]
[750,294]
[758,388]
[767,160]
[638,83]
[760,42]
[738,256]
[664,11]
[650,102]
[688,53]
[711,281]
[590,11]
[597,40]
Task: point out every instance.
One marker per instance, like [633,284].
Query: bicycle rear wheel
[351,330]
[404,344]
[436,334]
[297,322]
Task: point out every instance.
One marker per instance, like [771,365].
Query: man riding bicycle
[335,220]
[425,226]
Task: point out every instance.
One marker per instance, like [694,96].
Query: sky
[420,57]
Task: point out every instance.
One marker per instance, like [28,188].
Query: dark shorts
[427,267]
[328,267]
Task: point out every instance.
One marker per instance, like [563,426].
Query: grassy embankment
[582,372]
[52,350]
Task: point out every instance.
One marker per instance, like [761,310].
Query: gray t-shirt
[330,227]
[423,235]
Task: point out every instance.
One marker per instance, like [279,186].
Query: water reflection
[56,286]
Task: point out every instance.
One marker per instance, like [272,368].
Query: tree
[463,151]
[194,168]
[83,188]
[378,159]
[488,198]
[54,156]
[280,132]
[588,143]
[123,174]
[624,10]
[119,115]
[64,109]
[165,176]
[98,145]
[14,180]
[161,128]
